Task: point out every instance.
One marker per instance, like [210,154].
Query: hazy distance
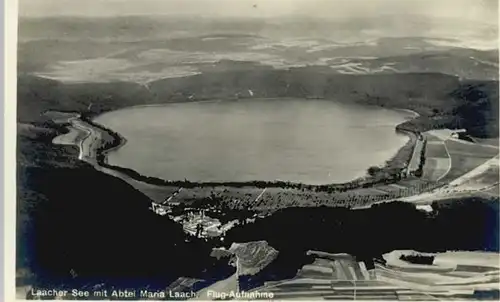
[484,11]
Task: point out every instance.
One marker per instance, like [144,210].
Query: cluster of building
[195,223]
[202,226]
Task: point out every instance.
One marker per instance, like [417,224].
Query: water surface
[311,141]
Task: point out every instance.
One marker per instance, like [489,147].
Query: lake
[310,141]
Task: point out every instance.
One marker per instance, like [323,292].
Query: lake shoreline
[393,163]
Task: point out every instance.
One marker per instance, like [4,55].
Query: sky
[467,10]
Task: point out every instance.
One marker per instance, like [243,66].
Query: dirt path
[450,164]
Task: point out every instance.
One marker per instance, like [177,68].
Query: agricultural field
[487,141]
[342,277]
[329,276]
[436,168]
[487,178]
[432,138]
[466,157]
[482,180]
[436,149]
[437,159]
[450,273]
[417,185]
[447,158]
[456,147]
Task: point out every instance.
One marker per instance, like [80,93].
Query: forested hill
[78,227]
[475,103]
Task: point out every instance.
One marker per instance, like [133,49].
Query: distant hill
[463,63]
[143,49]
[149,60]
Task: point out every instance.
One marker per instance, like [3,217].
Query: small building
[160,209]
[456,133]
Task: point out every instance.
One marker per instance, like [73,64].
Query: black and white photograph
[256,150]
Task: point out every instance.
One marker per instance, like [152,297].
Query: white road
[260,195]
